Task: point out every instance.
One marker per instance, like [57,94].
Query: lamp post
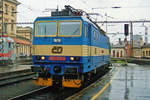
[131,39]
[106,20]
[2,29]
[2,18]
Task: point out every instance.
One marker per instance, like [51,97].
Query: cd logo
[57,49]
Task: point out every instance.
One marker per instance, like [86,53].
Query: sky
[129,10]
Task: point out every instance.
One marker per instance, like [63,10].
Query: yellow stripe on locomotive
[68,50]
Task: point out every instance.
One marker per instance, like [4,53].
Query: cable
[31,8]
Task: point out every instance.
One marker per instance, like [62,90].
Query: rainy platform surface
[130,82]
[13,68]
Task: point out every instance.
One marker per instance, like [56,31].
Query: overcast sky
[28,10]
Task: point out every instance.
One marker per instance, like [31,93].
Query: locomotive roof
[56,17]
[84,18]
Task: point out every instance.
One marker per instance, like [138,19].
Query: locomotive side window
[95,35]
[85,32]
[46,28]
[68,28]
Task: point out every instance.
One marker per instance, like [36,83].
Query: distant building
[21,35]
[23,40]
[137,46]
[137,40]
[120,50]
[138,50]
[146,51]
[25,32]
[8,16]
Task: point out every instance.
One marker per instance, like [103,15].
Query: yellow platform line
[102,90]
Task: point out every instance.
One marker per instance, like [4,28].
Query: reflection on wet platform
[131,83]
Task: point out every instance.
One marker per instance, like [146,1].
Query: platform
[130,82]
[13,68]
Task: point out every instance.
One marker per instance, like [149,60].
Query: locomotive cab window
[46,29]
[69,28]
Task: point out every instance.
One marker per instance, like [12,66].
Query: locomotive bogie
[58,69]
[43,81]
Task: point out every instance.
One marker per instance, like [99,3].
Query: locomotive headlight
[71,58]
[42,58]
[74,58]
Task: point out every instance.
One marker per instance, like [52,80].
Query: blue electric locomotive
[68,48]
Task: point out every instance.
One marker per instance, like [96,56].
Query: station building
[21,35]
[23,41]
[138,50]
[121,50]
[146,51]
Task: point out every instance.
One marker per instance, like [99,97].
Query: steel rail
[26,95]
[136,21]
[16,78]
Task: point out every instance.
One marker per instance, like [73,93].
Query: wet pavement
[13,68]
[19,65]
[10,91]
[130,82]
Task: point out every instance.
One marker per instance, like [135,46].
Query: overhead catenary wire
[145,21]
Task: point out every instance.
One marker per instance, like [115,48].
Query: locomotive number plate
[57,40]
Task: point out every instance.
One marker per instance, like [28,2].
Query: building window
[4,28]
[146,53]
[113,53]
[117,54]
[12,25]
[121,54]
[12,11]
[6,9]
[143,53]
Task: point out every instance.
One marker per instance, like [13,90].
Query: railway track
[12,78]
[51,93]
[47,93]
[30,94]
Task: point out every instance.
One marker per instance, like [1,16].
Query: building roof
[146,46]
[118,46]
[12,1]
[20,41]
[24,30]
[121,44]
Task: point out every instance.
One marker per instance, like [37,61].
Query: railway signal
[126,29]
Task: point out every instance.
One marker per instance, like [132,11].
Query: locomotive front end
[57,51]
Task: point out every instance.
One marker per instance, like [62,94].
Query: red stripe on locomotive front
[57,58]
